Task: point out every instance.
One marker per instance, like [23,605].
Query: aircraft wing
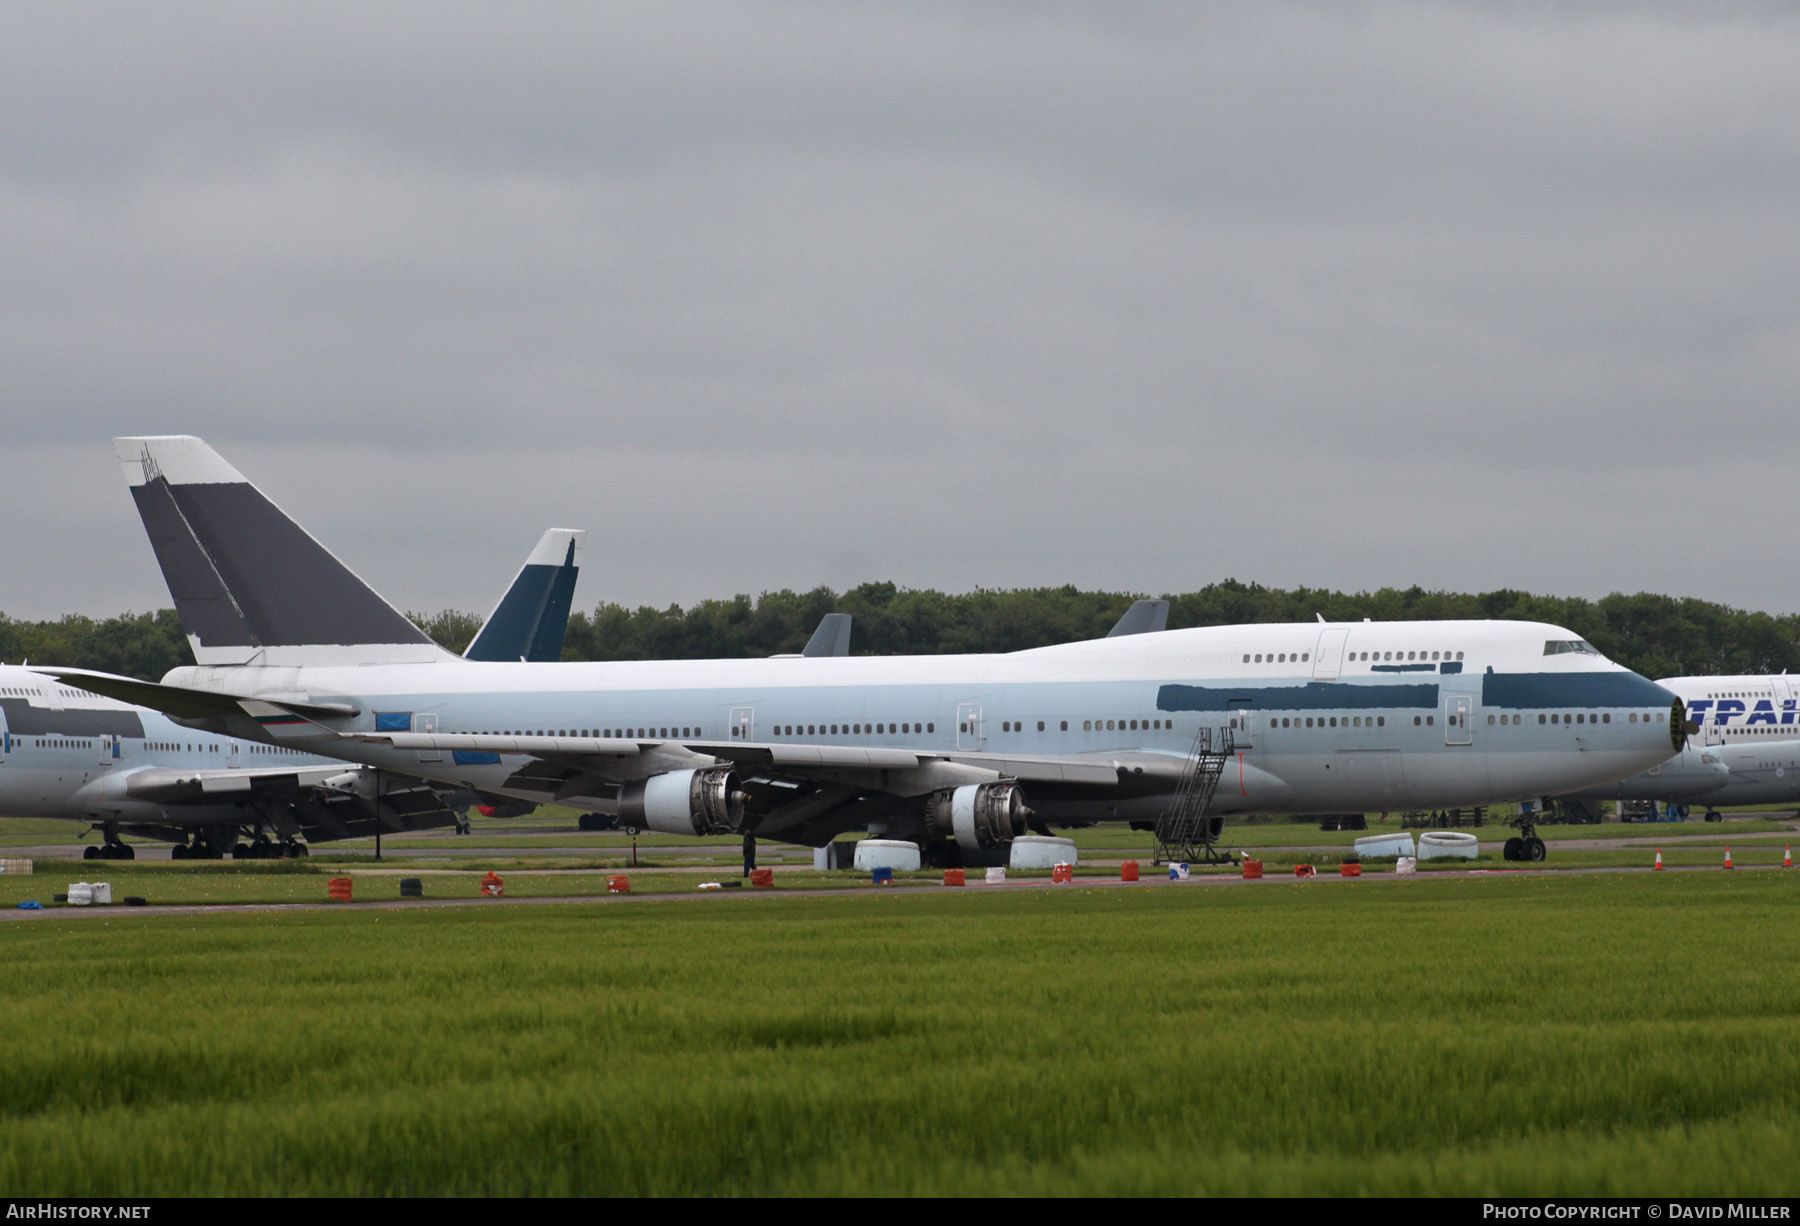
[174,786]
[799,761]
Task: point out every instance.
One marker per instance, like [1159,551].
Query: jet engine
[978,815]
[360,782]
[684,802]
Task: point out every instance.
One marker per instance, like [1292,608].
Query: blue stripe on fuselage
[1549,691]
[1537,691]
[1312,696]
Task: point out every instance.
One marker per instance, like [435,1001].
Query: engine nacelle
[359,782]
[684,802]
[978,815]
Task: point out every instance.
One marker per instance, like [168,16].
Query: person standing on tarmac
[749,852]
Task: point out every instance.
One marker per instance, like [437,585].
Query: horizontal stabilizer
[182,703]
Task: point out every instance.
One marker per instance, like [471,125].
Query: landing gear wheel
[633,831]
[298,851]
[178,852]
[126,852]
[1712,815]
[90,853]
[1514,849]
[1535,850]
[241,852]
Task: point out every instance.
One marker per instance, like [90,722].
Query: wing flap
[1043,770]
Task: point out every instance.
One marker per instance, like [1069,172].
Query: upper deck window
[1557,647]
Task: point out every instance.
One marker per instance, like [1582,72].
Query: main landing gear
[1525,845]
[111,849]
[265,849]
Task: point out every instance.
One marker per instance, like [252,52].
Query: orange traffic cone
[1728,857]
[1787,857]
[1659,867]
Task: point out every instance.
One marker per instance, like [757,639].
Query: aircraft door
[1328,657]
[106,744]
[232,760]
[421,723]
[1458,728]
[742,721]
[5,739]
[1242,721]
[971,731]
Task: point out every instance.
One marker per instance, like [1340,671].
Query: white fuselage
[1339,717]
[69,754]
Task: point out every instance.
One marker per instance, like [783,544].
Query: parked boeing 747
[295,650]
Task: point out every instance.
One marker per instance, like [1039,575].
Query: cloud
[954,294]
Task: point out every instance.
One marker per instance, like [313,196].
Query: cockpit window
[1557,647]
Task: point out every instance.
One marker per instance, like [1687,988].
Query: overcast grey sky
[1469,296]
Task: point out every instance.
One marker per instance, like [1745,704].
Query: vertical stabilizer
[1143,617]
[832,638]
[533,615]
[250,585]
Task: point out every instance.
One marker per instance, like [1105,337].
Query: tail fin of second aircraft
[1143,617]
[250,585]
[533,615]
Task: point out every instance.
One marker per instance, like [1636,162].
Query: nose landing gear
[112,848]
[1526,845]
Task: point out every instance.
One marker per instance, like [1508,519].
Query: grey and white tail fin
[533,615]
[1143,617]
[250,585]
[832,638]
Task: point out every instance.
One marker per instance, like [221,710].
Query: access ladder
[1186,832]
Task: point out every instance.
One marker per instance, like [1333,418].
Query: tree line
[1658,636]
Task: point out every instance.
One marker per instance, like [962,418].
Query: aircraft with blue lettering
[294,650]
[1745,746]
[70,754]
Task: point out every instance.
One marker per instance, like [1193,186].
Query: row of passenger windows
[1380,721]
[1589,717]
[1092,725]
[621,734]
[854,729]
[1301,657]
[1332,721]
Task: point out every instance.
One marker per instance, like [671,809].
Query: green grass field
[1508,1035]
